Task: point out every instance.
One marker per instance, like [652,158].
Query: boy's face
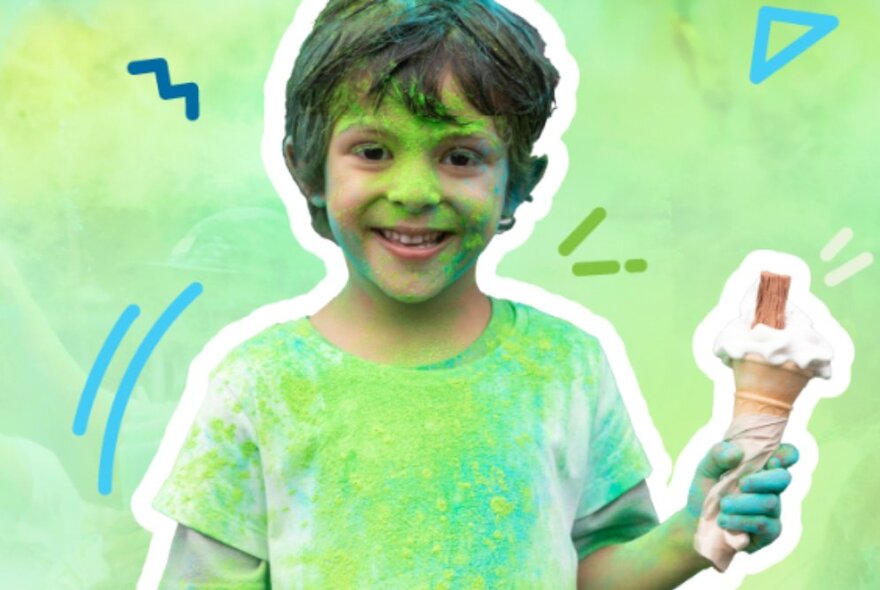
[391,171]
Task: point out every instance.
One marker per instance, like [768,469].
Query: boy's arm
[660,559]
[665,557]
[198,561]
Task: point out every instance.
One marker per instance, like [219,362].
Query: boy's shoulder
[294,345]
[544,329]
[269,349]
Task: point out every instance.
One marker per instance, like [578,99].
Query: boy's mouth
[414,245]
[413,238]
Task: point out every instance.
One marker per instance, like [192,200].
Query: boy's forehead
[354,108]
[396,119]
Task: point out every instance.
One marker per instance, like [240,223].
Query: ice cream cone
[763,388]
[765,396]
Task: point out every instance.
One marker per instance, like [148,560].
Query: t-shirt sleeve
[198,562]
[623,519]
[216,486]
[616,461]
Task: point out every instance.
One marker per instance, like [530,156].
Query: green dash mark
[636,265]
[608,267]
[596,267]
[601,267]
[581,232]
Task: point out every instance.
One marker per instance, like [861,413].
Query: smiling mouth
[416,240]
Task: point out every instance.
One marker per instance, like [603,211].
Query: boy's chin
[411,296]
[418,289]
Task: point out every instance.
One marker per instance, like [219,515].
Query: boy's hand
[755,509]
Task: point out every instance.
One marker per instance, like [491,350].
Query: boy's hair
[406,46]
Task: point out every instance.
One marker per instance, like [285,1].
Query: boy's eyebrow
[461,132]
[364,128]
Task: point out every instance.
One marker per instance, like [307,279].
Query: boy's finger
[722,457]
[785,456]
[752,505]
[755,525]
[773,481]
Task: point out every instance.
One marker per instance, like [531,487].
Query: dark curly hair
[495,56]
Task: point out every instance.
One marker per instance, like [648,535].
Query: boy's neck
[364,321]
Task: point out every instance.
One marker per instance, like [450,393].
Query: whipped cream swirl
[797,342]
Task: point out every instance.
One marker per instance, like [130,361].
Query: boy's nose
[415,186]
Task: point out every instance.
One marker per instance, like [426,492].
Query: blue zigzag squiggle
[189,91]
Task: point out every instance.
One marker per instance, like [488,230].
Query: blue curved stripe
[99,369]
[132,372]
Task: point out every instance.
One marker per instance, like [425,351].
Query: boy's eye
[372,152]
[463,157]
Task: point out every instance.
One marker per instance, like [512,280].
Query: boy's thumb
[721,458]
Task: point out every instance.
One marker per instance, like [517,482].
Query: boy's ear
[537,168]
[290,160]
[522,190]
[316,204]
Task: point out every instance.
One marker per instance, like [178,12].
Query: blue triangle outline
[820,25]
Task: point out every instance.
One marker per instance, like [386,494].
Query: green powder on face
[403,161]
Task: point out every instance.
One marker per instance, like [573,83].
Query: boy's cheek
[474,242]
[343,237]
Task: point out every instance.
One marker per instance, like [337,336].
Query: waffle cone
[762,388]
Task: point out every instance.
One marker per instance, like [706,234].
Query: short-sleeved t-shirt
[468,473]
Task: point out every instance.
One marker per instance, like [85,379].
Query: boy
[415,433]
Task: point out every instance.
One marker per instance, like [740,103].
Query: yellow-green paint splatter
[349,473]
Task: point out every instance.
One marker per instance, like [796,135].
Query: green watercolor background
[109,196]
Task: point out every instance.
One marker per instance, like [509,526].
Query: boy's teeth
[411,240]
